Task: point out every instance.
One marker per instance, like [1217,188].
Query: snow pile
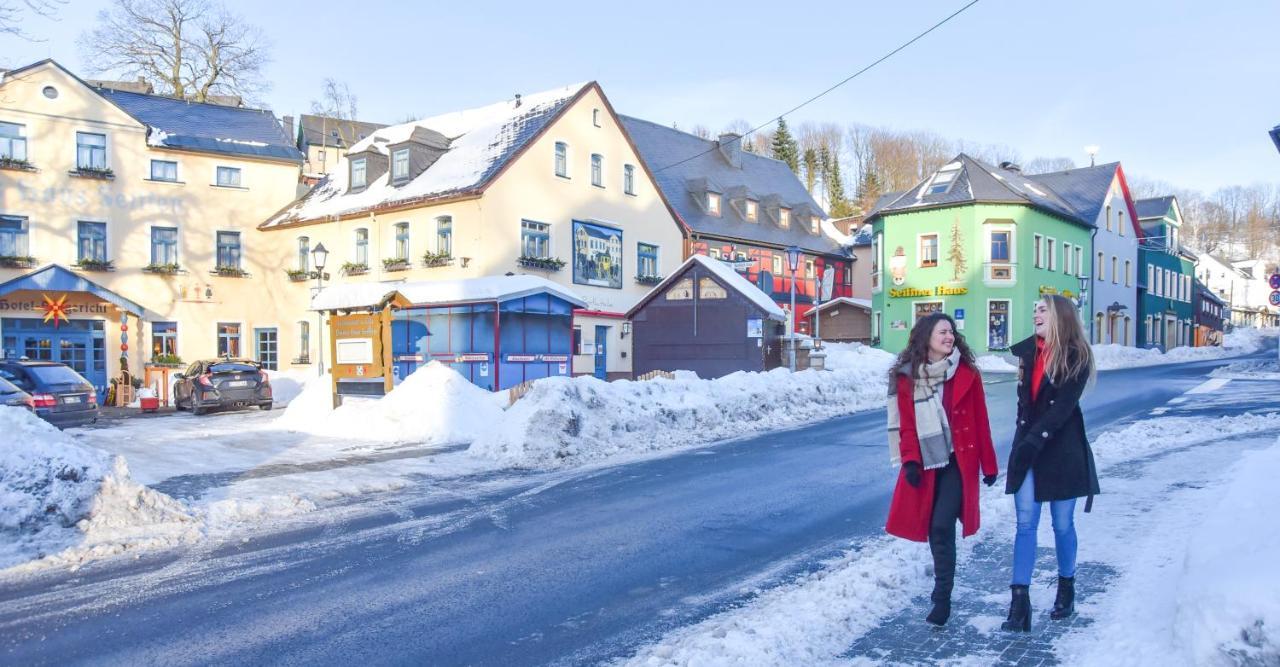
[990,363]
[287,385]
[564,421]
[1228,607]
[1249,370]
[1238,342]
[61,502]
[854,355]
[1152,435]
[434,404]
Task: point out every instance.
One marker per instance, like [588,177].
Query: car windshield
[55,375]
[232,367]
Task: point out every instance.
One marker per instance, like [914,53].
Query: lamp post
[319,256]
[793,262]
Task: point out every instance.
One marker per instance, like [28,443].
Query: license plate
[238,383]
[70,399]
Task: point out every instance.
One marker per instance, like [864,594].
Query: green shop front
[984,264]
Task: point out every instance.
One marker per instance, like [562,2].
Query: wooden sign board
[360,345]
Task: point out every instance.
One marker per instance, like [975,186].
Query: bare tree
[189,49]
[11,15]
[1045,165]
[701,131]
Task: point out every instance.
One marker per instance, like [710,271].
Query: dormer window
[753,210]
[943,179]
[400,165]
[713,203]
[358,171]
[784,218]
[814,223]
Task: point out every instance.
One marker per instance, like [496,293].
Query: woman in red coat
[940,434]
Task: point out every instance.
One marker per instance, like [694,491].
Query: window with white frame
[753,210]
[809,271]
[928,250]
[814,224]
[943,179]
[228,339]
[400,165]
[784,217]
[228,250]
[402,241]
[359,172]
[164,246]
[1037,249]
[13,143]
[777,265]
[1115,264]
[361,257]
[304,253]
[595,117]
[229,177]
[535,239]
[91,150]
[1001,245]
[1128,273]
[629,179]
[1050,254]
[647,260]
[1079,261]
[444,235]
[1066,258]
[562,159]
[1099,272]
[164,170]
[1151,279]
[304,341]
[597,170]
[1120,222]
[1108,217]
[713,203]
[92,241]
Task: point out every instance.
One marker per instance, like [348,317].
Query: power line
[851,77]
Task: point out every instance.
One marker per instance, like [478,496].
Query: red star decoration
[55,310]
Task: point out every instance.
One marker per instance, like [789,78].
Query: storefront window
[998,325]
[228,339]
[164,339]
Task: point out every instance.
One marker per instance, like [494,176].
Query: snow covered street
[766,549]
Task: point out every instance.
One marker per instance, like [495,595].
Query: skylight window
[943,179]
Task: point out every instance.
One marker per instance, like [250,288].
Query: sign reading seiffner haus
[982,243]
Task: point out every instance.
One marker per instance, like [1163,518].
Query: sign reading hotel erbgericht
[917,292]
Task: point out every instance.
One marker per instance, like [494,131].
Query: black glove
[912,470]
[989,480]
[1023,456]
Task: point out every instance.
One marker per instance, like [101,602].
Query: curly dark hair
[917,351]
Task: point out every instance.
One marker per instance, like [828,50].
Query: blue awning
[54,278]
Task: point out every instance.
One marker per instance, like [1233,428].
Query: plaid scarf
[932,428]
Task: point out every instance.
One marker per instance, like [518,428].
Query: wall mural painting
[597,255]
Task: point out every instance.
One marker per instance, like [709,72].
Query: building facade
[1209,313]
[324,141]
[1167,275]
[545,184]
[982,244]
[746,209]
[128,228]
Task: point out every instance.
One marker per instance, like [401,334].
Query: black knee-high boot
[944,577]
[1065,604]
[1019,610]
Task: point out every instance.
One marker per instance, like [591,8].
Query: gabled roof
[1153,207]
[979,182]
[862,304]
[731,279]
[441,292]
[482,142]
[56,278]
[334,132]
[209,128]
[1084,189]
[682,163]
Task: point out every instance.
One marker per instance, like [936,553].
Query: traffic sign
[1275,281]
[1275,298]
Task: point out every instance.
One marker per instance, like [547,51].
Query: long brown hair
[1067,351]
[916,354]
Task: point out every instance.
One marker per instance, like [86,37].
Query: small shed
[706,318]
[497,331]
[843,320]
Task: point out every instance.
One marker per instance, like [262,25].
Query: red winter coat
[966,406]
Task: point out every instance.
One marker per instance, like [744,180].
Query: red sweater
[1037,371]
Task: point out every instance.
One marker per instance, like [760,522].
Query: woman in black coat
[1051,460]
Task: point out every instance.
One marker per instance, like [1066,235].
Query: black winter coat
[1053,427]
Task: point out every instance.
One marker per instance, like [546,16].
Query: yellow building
[548,184]
[128,228]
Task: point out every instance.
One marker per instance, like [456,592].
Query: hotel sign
[916,292]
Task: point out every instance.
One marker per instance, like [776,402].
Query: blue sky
[1178,91]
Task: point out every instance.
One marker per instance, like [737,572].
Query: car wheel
[198,410]
[264,406]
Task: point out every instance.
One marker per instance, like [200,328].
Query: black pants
[948,498]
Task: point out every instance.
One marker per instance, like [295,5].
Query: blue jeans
[1024,542]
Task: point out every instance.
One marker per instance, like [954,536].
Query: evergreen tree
[810,169]
[785,147]
[840,206]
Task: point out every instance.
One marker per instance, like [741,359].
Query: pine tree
[840,206]
[810,169]
[956,255]
[785,147]
[869,190]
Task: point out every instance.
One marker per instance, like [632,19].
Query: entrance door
[267,345]
[602,353]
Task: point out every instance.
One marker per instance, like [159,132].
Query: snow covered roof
[864,304]
[441,292]
[726,275]
[481,142]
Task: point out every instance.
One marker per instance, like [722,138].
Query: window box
[229,272]
[16,164]
[297,275]
[355,268]
[166,361]
[649,280]
[434,259]
[543,263]
[17,262]
[103,173]
[302,360]
[395,264]
[87,264]
[163,269]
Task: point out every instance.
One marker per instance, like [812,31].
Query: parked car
[59,395]
[222,383]
[12,396]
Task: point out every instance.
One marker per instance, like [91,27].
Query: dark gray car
[222,383]
[14,397]
[59,395]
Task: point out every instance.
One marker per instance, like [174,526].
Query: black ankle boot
[941,606]
[1065,604]
[1019,610]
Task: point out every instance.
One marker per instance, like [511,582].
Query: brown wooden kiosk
[708,319]
[360,342]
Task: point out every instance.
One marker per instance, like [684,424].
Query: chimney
[730,145]
[1011,166]
[287,121]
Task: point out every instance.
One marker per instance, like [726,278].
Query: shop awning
[441,292]
[55,278]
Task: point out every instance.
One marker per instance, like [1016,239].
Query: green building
[983,243]
[1166,277]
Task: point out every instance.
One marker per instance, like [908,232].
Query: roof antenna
[517,100]
[1092,151]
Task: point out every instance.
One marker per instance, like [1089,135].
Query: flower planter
[17,262]
[541,263]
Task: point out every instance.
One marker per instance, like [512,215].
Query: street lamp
[319,256]
[793,262]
